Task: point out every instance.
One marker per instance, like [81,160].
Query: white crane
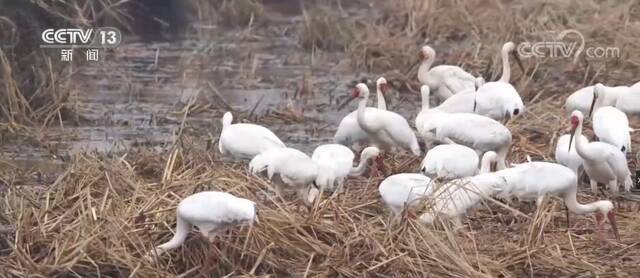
[475,131]
[212,212]
[245,140]
[404,190]
[349,132]
[385,128]
[335,163]
[569,157]
[498,100]
[582,99]
[629,102]
[452,200]
[444,80]
[294,169]
[535,180]
[610,125]
[603,162]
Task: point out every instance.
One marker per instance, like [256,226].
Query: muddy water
[136,94]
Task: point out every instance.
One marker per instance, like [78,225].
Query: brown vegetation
[103,213]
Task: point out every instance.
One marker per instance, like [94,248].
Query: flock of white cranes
[468,157]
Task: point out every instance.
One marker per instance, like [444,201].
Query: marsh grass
[324,27]
[103,213]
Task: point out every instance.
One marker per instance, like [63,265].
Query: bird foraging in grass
[335,163]
[293,169]
[535,180]
[212,212]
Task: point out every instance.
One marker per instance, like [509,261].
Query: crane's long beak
[612,220]
[342,105]
[518,61]
[571,138]
[593,104]
[475,104]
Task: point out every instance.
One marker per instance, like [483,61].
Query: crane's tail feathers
[227,119]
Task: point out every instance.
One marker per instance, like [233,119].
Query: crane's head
[361,91]
[576,121]
[598,90]
[369,152]
[427,53]
[606,208]
[312,193]
[510,48]
[382,85]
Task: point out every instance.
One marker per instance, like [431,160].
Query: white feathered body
[246,140]
[566,157]
[611,126]
[406,189]
[213,210]
[581,99]
[450,161]
[477,132]
[388,129]
[532,180]
[334,164]
[454,198]
[446,80]
[605,163]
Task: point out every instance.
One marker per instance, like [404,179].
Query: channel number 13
[108,37]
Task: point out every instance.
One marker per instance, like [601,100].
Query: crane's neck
[424,68]
[362,165]
[182,230]
[425,100]
[362,120]
[506,67]
[581,146]
[382,103]
[604,93]
[572,203]
[485,166]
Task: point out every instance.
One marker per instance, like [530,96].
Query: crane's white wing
[349,132]
[618,164]
[248,140]
[215,207]
[475,131]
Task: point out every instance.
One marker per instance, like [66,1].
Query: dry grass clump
[103,214]
[325,28]
[471,33]
[230,13]
[34,84]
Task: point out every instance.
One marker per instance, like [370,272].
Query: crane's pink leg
[380,162]
[599,219]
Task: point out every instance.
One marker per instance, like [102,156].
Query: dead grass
[101,215]
[230,13]
[324,27]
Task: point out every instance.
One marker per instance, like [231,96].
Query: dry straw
[102,214]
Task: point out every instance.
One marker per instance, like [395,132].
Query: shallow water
[136,94]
